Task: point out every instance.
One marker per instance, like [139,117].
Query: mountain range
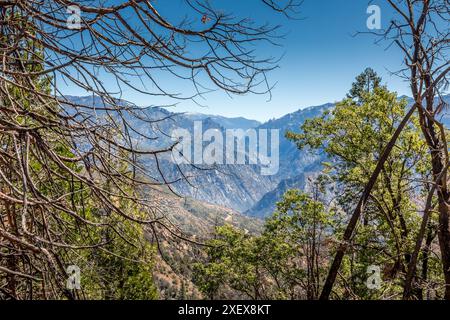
[240,187]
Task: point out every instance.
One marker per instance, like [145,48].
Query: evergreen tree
[366,82]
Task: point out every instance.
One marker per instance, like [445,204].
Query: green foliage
[112,266]
[120,270]
[366,82]
[354,135]
[232,261]
[122,267]
[285,262]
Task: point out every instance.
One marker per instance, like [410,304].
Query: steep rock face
[234,186]
[241,187]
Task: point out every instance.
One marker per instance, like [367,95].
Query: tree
[287,261]
[233,262]
[366,82]
[389,221]
[417,31]
[428,66]
[61,160]
[306,226]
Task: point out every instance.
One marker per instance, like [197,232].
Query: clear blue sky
[321,57]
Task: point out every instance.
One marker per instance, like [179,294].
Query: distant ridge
[242,187]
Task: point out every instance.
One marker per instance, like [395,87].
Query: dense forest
[85,189]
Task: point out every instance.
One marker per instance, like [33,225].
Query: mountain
[234,186]
[226,123]
[294,162]
[239,187]
[295,165]
[267,205]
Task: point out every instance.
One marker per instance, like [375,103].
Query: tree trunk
[439,165]
[439,158]
[425,256]
[444,240]
[407,290]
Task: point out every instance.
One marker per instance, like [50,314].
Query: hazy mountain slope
[227,123]
[238,187]
[295,165]
[235,186]
[266,206]
[293,161]
[242,186]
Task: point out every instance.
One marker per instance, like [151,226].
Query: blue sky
[321,57]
